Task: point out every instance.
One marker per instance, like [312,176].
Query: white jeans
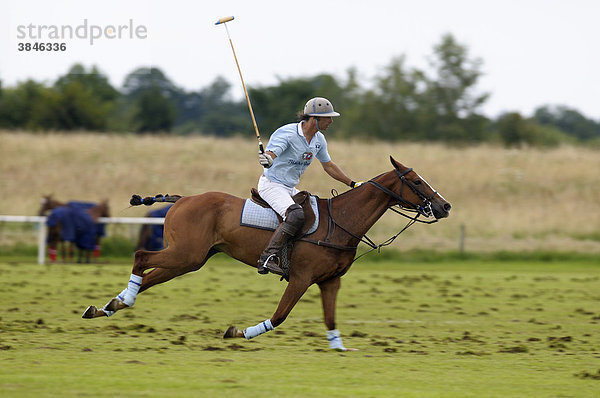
[277,195]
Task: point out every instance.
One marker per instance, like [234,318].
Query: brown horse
[199,226]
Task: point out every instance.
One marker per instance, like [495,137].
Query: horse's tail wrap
[137,200]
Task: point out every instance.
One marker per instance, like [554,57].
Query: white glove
[265,160]
[356,184]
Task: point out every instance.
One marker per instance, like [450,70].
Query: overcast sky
[534,52]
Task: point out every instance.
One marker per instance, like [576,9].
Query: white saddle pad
[256,216]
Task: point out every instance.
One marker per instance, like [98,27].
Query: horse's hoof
[233,332]
[90,312]
[115,305]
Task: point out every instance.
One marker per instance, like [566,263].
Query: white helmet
[319,106]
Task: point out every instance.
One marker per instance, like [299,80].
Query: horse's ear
[394,163]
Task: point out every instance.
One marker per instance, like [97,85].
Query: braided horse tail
[137,200]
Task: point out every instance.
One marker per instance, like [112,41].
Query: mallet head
[224,19]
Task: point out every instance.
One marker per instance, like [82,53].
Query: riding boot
[269,261]
[285,231]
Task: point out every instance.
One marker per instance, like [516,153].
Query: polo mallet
[224,21]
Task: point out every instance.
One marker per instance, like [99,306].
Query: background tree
[277,105]
[154,112]
[17,105]
[150,99]
[515,131]
[568,120]
[81,100]
[390,109]
[449,110]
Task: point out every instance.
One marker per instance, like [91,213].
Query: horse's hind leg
[166,266]
[154,277]
[161,275]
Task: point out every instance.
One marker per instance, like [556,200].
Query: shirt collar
[299,129]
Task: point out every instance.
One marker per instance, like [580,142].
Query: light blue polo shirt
[294,154]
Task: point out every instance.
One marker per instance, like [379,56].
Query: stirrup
[271,266]
[260,268]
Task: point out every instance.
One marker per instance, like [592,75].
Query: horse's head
[48,203]
[416,194]
[104,208]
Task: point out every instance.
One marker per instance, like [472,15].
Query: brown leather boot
[285,231]
[268,259]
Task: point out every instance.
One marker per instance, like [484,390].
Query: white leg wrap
[133,287]
[121,296]
[335,341]
[257,330]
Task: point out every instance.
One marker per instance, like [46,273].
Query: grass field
[444,329]
[507,199]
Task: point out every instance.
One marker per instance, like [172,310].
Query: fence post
[42,232]
[461,239]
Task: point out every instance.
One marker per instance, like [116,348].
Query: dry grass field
[507,199]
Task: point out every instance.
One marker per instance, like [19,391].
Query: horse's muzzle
[441,210]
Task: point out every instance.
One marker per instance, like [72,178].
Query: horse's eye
[417,182]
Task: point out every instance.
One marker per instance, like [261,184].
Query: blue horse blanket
[76,225]
[62,215]
[155,241]
[100,228]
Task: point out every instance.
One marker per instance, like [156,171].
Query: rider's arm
[335,172]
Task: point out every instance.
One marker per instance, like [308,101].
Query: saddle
[300,198]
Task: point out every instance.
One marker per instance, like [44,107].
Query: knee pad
[294,219]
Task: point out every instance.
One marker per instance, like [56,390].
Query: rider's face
[324,122]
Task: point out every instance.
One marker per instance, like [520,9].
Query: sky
[534,52]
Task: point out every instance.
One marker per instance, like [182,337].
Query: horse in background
[151,235]
[74,224]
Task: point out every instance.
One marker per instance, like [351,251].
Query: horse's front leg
[329,291]
[295,289]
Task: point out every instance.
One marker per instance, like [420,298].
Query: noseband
[424,209]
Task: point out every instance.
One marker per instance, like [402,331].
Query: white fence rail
[43,230]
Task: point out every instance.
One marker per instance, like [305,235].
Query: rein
[408,206]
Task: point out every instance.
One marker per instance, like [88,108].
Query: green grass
[424,329]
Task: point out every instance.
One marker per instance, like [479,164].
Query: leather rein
[404,204]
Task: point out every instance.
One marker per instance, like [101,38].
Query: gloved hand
[265,160]
[354,184]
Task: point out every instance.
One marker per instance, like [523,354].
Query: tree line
[400,103]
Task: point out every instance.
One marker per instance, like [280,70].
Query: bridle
[424,209]
[405,206]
